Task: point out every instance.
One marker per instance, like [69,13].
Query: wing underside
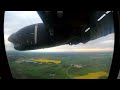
[84,25]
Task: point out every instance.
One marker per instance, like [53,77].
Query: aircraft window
[90,60]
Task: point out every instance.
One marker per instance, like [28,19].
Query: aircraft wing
[84,25]
[63,27]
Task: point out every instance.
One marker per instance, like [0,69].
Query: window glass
[81,61]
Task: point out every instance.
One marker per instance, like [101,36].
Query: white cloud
[15,20]
[108,42]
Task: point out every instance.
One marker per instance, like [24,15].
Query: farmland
[60,65]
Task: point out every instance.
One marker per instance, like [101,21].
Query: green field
[71,66]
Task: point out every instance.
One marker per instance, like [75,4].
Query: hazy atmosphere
[15,20]
[82,61]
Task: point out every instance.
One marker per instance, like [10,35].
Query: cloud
[108,42]
[8,45]
[15,20]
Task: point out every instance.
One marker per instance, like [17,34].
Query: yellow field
[47,61]
[95,75]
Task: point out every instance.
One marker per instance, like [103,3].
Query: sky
[15,20]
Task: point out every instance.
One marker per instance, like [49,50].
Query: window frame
[115,66]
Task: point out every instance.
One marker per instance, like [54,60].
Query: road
[67,71]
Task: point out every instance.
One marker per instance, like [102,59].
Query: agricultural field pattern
[60,65]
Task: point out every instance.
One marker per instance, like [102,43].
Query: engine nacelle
[32,37]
